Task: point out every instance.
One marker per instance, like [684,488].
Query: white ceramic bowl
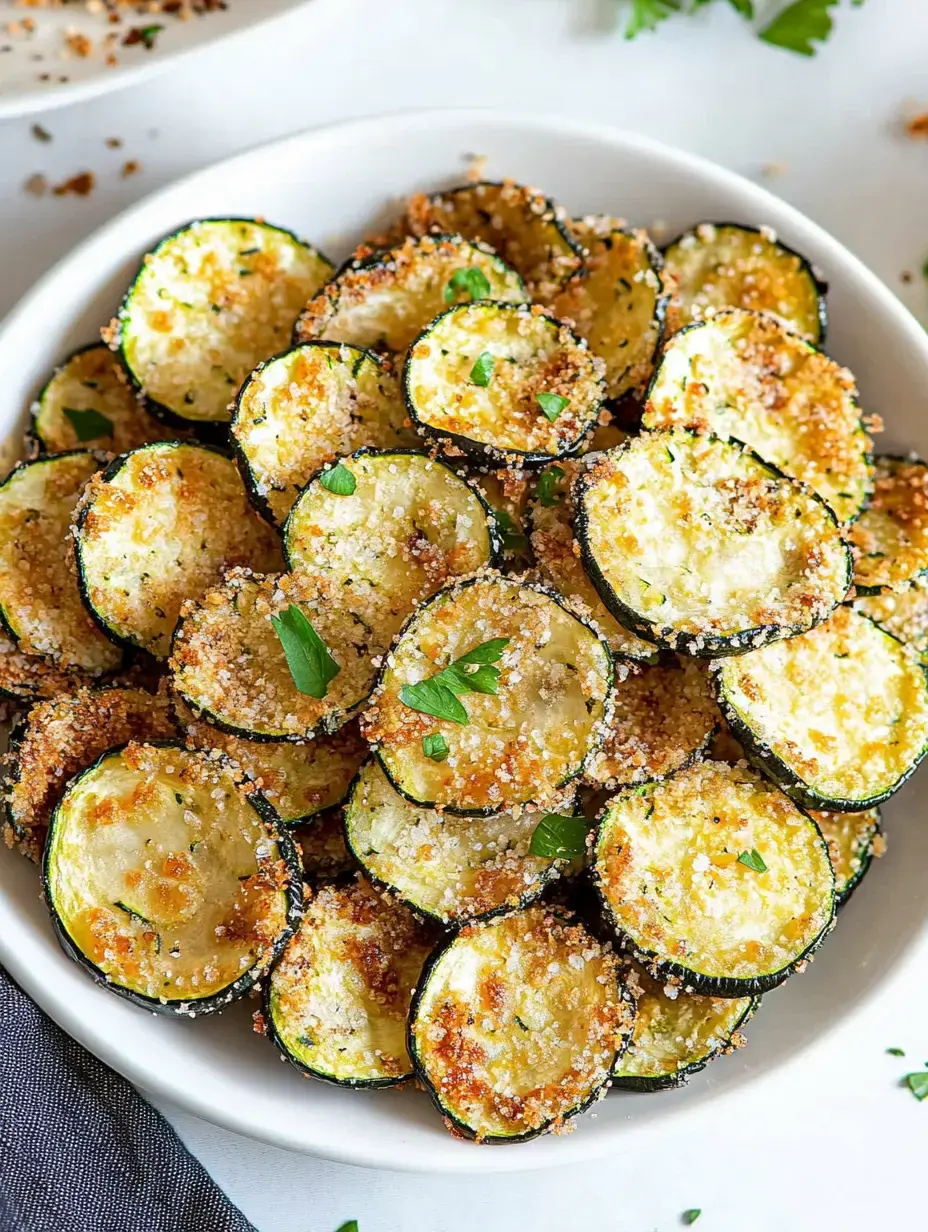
[330,185]
[22,91]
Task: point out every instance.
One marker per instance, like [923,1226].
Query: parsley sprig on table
[797,26]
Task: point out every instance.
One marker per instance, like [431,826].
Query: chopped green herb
[551,404]
[311,666]
[925,268]
[896,1052]
[753,859]
[89,424]
[547,482]
[689,1217]
[350,1226]
[520,1023]
[178,797]
[512,537]
[800,25]
[338,479]
[147,35]
[435,746]
[438,695]
[471,281]
[559,838]
[482,370]
[918,1084]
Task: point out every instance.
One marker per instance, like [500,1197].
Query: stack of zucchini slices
[494,650]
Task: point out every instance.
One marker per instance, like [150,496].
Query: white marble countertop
[837,1143]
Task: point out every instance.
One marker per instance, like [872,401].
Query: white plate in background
[72,77]
[330,185]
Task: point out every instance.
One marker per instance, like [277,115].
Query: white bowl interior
[329,185]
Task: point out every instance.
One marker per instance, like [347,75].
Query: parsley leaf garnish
[482,370]
[648,14]
[896,1052]
[438,695]
[559,838]
[435,746]
[350,1226]
[512,537]
[147,35]
[338,479]
[551,404]
[547,482]
[800,25]
[753,860]
[89,424]
[311,666]
[918,1084]
[689,1217]
[471,281]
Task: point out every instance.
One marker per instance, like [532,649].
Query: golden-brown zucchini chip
[853,840]
[336,1003]
[163,882]
[323,850]
[890,537]
[40,604]
[155,530]
[516,1025]
[903,613]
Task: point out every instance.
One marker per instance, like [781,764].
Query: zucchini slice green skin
[903,613]
[443,1028]
[448,869]
[326,857]
[58,738]
[153,588]
[497,417]
[854,840]
[551,521]
[181,402]
[354,936]
[524,227]
[302,409]
[767,294]
[731,934]
[891,535]
[384,299]
[45,616]
[287,877]
[873,661]
[410,526]
[809,589]
[744,375]
[712,1026]
[90,379]
[490,606]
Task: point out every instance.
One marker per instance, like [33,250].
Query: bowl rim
[391,1153]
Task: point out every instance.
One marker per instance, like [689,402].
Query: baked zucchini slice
[890,537]
[40,605]
[88,403]
[450,869]
[697,544]
[57,739]
[714,879]
[290,783]
[211,301]
[523,226]
[504,382]
[506,491]
[838,717]
[617,302]
[337,1000]
[383,300]
[164,883]
[26,678]
[305,408]
[665,718]
[158,527]
[323,850]
[727,265]
[383,532]
[677,1034]
[903,613]
[555,549]
[536,682]
[743,374]
[853,840]
[516,1025]
[229,666]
